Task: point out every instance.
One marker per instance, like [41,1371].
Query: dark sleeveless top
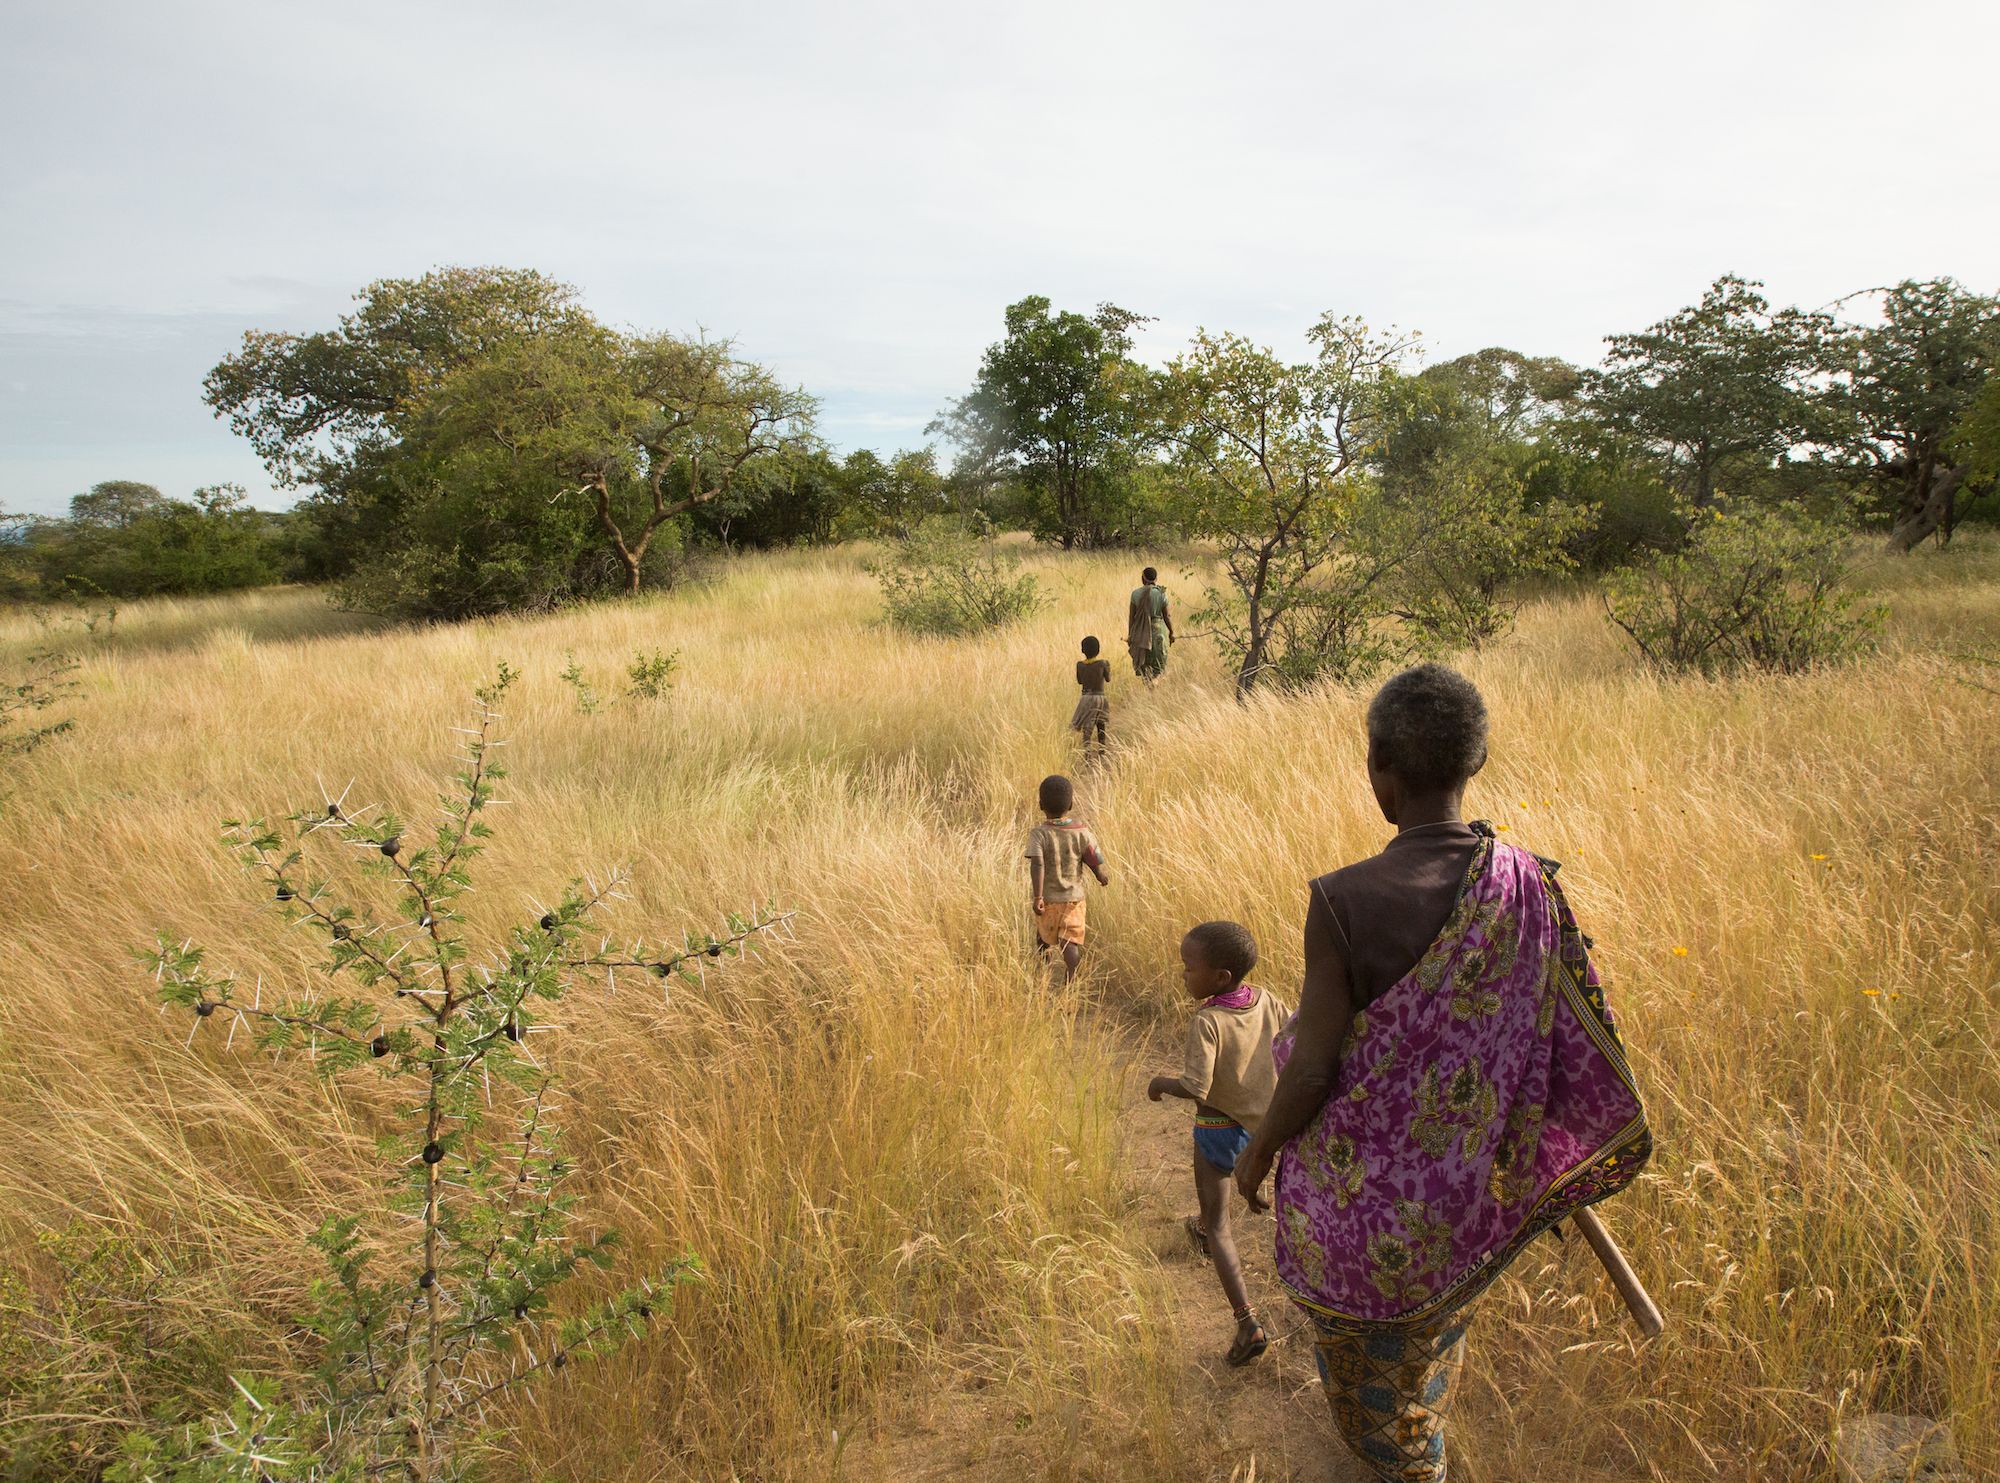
[1389,908]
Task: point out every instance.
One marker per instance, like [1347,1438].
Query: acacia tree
[1459,444]
[115,503]
[478,442]
[1357,521]
[313,406]
[1912,380]
[477,1234]
[1268,457]
[1055,409]
[1726,385]
[892,498]
[644,427]
[1977,438]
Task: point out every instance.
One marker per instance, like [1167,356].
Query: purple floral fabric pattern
[1479,1101]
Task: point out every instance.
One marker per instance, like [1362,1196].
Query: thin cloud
[854,193]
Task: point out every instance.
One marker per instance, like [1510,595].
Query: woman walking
[1149,626]
[1451,1086]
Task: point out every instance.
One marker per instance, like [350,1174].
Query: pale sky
[855,191]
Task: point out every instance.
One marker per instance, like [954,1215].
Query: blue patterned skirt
[1390,1393]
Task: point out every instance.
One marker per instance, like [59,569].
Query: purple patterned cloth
[1479,1101]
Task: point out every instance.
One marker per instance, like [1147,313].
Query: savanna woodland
[518,964]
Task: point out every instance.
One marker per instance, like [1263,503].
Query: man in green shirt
[1149,626]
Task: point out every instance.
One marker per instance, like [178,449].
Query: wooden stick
[1644,1313]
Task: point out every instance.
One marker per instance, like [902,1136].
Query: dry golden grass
[899,1154]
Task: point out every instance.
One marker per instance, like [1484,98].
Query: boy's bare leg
[1072,955]
[1212,1186]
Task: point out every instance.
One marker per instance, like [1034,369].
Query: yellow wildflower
[1680,952]
[1819,857]
[1872,993]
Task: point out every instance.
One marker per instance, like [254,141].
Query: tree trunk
[1914,525]
[1246,677]
[1253,652]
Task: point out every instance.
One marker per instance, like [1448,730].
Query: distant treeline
[474,441]
[127,539]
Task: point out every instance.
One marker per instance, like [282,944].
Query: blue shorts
[1220,1140]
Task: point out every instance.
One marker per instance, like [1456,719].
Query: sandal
[1241,1354]
[1192,1225]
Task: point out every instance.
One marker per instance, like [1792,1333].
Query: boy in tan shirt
[1229,1076]
[1059,851]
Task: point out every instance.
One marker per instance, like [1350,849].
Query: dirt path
[1271,1421]
[1267,1422]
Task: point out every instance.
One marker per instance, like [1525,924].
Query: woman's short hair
[1427,726]
[1225,945]
[1148,575]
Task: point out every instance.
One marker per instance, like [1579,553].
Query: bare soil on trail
[1269,1418]
[1266,1422]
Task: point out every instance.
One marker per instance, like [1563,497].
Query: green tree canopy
[1268,457]
[1055,409]
[893,498]
[480,443]
[1912,379]
[136,542]
[115,502]
[309,404]
[1723,389]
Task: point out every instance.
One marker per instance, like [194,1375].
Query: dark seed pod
[429,1279]
[284,891]
[715,949]
[663,969]
[548,921]
[333,810]
[511,1030]
[432,1153]
[379,1046]
[341,932]
[392,844]
[520,1310]
[644,1310]
[560,1360]
[205,1008]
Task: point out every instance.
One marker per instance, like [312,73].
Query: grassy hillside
[898,1152]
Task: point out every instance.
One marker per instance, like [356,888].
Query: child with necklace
[1229,1075]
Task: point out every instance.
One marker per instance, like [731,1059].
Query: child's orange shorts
[1060,922]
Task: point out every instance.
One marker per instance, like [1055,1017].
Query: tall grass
[898,1151]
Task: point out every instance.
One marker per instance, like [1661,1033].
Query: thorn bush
[48,680]
[441,1299]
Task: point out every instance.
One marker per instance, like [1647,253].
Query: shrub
[211,542]
[1755,587]
[24,697]
[573,676]
[649,676]
[951,577]
[1457,543]
[92,1325]
[475,1227]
